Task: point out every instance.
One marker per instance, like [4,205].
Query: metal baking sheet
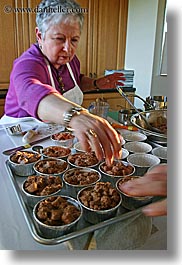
[82,228]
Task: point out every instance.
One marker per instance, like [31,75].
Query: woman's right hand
[96,132]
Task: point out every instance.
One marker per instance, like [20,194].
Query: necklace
[61,84]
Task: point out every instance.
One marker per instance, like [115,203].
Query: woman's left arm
[105,82]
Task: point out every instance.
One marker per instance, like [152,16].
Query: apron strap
[50,72]
[71,73]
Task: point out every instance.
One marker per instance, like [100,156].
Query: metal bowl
[53,231]
[25,169]
[72,189]
[151,116]
[96,216]
[32,199]
[131,202]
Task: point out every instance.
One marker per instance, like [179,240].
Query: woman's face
[60,42]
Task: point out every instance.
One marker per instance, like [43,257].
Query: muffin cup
[96,216]
[32,199]
[142,162]
[49,231]
[72,189]
[57,161]
[112,178]
[23,170]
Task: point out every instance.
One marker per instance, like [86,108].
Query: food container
[131,202]
[65,139]
[54,231]
[77,146]
[138,147]
[152,116]
[161,165]
[142,162]
[120,168]
[100,108]
[94,216]
[51,166]
[43,184]
[22,162]
[56,152]
[76,179]
[125,153]
[161,153]
[83,159]
[134,136]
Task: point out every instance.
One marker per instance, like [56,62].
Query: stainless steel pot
[153,102]
[157,102]
[124,116]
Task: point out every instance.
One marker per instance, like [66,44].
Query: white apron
[75,94]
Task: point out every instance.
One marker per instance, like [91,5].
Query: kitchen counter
[125,89]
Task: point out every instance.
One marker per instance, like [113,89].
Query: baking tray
[83,227]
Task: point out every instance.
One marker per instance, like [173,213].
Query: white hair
[51,12]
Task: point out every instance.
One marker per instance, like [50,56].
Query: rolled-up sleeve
[31,82]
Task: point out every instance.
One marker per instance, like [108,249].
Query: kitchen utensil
[11,151]
[149,126]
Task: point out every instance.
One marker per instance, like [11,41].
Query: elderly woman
[46,82]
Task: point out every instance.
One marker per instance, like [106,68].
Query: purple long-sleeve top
[30,82]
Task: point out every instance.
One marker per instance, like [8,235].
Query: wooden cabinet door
[111,35]
[14,37]
[103,39]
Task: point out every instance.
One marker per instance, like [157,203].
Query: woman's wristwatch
[95,84]
[68,115]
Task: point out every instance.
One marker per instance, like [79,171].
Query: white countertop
[14,232]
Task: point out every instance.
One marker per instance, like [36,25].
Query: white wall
[159,84]
[140,44]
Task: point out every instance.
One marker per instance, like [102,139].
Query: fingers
[96,132]
[145,187]
[156,208]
